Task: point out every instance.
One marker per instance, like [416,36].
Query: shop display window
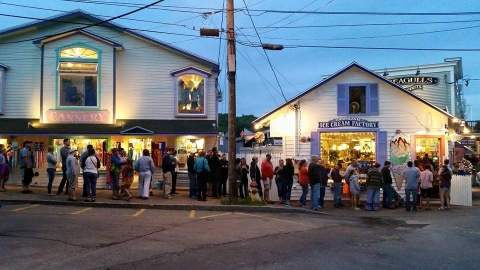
[78,77]
[430,146]
[346,146]
[191,94]
[133,146]
[186,145]
[100,146]
[357,99]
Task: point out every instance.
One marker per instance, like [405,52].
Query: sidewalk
[182,202]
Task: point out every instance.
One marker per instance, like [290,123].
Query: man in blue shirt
[412,178]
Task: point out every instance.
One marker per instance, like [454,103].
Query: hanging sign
[348,122]
[411,83]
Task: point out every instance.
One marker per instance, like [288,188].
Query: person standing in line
[355,187]
[173,169]
[213,176]
[145,169]
[426,185]
[374,183]
[127,180]
[27,163]
[445,175]
[256,176]
[288,172]
[115,169]
[223,176]
[51,168]
[304,181]
[73,171]
[412,178]
[192,190]
[238,176]
[323,183]
[337,185]
[201,170]
[244,171]
[83,157]
[64,152]
[4,168]
[267,176]
[315,176]
[90,174]
[387,185]
[279,178]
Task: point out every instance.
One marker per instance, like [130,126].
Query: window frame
[366,88]
[189,71]
[98,74]
[370,110]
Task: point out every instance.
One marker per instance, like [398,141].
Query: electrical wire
[265,52]
[368,13]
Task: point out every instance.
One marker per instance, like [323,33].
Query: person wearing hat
[72,171]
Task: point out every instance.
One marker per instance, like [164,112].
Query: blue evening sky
[300,68]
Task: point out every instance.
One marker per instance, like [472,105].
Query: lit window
[191,94]
[78,77]
[79,52]
[357,99]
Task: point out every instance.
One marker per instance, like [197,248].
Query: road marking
[138,213]
[193,214]
[276,219]
[217,215]
[81,211]
[25,208]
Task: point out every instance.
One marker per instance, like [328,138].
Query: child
[127,179]
[355,188]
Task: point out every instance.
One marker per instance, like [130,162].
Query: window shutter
[382,147]
[342,97]
[315,143]
[372,96]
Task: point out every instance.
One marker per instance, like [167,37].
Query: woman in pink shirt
[426,186]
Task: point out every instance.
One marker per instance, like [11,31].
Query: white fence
[461,190]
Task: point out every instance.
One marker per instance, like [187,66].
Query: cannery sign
[348,122]
[411,83]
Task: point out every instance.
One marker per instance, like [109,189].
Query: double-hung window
[78,69]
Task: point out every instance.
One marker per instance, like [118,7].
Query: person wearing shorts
[426,186]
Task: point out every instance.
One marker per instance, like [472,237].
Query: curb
[187,207]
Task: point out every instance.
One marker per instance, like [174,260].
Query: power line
[265,52]
[293,46]
[369,13]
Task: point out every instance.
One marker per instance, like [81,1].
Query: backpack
[445,177]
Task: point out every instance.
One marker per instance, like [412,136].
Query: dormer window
[78,68]
[190,92]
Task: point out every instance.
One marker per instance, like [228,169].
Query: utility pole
[232,103]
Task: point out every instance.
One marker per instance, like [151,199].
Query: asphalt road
[59,237]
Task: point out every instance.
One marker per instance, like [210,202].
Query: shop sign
[77,117]
[411,83]
[348,122]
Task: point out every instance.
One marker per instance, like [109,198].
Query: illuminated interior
[186,145]
[100,146]
[346,146]
[133,146]
[79,52]
[191,91]
[3,142]
[428,145]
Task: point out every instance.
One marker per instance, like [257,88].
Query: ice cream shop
[357,114]
[106,86]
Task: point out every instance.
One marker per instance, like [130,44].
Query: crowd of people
[208,174]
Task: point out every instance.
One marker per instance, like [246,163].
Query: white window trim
[73,106]
[205,94]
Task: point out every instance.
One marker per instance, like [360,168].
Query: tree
[244,121]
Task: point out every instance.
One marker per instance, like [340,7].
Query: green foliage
[244,121]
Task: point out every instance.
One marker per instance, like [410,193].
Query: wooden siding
[145,88]
[397,111]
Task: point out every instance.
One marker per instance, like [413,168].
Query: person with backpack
[303,180]
[201,169]
[91,164]
[145,169]
[445,175]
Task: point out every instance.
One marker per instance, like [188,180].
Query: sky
[298,68]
